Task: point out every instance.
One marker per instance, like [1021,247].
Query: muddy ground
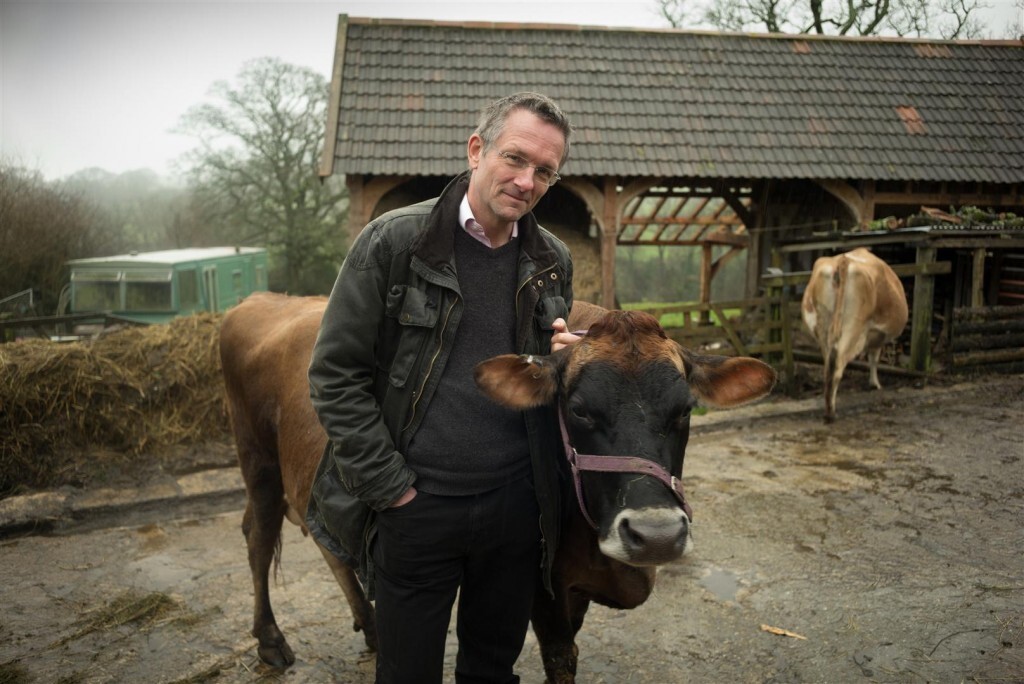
[891,543]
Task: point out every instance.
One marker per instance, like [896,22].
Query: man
[426,486]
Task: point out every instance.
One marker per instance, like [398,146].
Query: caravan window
[148,291]
[96,291]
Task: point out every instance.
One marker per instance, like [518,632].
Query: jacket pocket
[414,316]
[342,516]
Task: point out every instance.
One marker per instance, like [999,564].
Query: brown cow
[624,389]
[265,346]
[625,392]
[853,303]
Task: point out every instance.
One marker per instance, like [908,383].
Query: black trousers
[486,548]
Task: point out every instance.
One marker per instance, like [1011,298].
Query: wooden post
[706,256]
[978,279]
[787,341]
[921,316]
[609,240]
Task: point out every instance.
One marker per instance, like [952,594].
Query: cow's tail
[839,294]
[277,557]
[840,276]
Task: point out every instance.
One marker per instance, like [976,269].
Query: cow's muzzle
[617,464]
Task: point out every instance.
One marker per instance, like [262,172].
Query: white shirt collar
[471,226]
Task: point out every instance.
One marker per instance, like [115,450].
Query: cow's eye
[580,413]
[680,413]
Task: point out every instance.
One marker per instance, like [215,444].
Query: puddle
[722,583]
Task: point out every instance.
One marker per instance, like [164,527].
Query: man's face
[499,193]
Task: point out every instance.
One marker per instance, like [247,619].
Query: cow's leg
[831,378]
[875,344]
[362,610]
[261,525]
[556,622]
[873,356]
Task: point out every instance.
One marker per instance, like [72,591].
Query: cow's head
[627,390]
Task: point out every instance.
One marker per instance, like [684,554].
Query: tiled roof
[683,104]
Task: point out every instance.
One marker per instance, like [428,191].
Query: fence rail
[990,338]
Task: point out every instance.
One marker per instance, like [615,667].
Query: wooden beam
[848,195]
[844,244]
[921,317]
[609,238]
[978,278]
[706,259]
[902,270]
[688,220]
[869,200]
[333,106]
[591,195]
[756,250]
[933,198]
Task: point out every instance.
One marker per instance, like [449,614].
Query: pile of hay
[124,392]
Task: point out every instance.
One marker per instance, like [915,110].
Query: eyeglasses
[541,173]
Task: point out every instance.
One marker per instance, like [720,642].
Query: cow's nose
[654,535]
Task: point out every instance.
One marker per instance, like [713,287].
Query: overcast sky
[85,83]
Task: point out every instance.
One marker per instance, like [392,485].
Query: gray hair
[493,117]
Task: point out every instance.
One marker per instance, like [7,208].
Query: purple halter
[615,464]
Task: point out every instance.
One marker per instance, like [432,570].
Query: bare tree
[42,225]
[254,172]
[947,19]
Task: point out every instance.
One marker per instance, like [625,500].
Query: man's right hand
[409,495]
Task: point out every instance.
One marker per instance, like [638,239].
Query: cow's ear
[727,381]
[520,381]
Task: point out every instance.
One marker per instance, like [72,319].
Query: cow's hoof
[277,655]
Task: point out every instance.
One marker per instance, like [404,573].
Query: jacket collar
[437,243]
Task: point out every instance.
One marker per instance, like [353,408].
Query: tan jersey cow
[853,303]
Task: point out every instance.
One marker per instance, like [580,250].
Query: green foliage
[672,273]
[42,225]
[254,173]
[675,319]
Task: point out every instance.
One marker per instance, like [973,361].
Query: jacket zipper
[430,366]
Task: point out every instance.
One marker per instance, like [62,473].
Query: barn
[771,149]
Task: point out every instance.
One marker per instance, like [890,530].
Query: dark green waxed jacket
[383,344]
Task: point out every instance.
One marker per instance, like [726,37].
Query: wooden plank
[902,270]
[987,341]
[815,357]
[988,357]
[609,238]
[978,278]
[787,342]
[921,317]
[841,244]
[991,326]
[734,339]
[989,313]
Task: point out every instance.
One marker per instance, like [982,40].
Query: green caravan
[154,287]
